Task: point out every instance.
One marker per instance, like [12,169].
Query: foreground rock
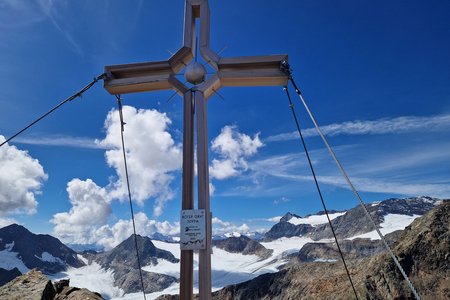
[35,285]
[423,250]
[32,285]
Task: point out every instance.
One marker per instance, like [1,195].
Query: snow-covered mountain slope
[391,223]
[399,213]
[122,262]
[227,268]
[230,268]
[21,249]
[315,220]
[93,277]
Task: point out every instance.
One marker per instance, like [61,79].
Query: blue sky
[376,76]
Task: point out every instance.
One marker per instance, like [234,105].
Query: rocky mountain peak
[288,216]
[406,206]
[40,251]
[125,253]
[123,260]
[15,230]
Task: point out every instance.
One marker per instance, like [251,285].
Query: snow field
[392,222]
[92,277]
[315,220]
[9,261]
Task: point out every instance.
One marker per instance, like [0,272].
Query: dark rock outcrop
[357,248]
[288,216]
[423,250]
[243,245]
[8,275]
[286,229]
[129,280]
[47,253]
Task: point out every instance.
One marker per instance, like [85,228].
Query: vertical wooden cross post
[153,76]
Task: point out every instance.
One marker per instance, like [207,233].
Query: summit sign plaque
[193,229]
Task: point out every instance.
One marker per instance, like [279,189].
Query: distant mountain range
[350,223]
[422,248]
[236,258]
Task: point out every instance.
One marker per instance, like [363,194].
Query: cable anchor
[286,68]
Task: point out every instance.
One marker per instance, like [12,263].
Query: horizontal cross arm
[148,76]
[144,84]
[252,71]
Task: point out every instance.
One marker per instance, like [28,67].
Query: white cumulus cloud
[21,178]
[233,149]
[220,227]
[152,155]
[6,221]
[90,207]
[110,236]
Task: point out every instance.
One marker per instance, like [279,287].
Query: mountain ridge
[48,253]
[353,222]
[123,260]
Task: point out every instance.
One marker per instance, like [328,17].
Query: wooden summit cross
[161,75]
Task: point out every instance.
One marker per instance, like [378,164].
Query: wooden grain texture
[204,38]
[189,27]
[138,84]
[210,86]
[211,57]
[187,194]
[181,59]
[204,263]
[253,78]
